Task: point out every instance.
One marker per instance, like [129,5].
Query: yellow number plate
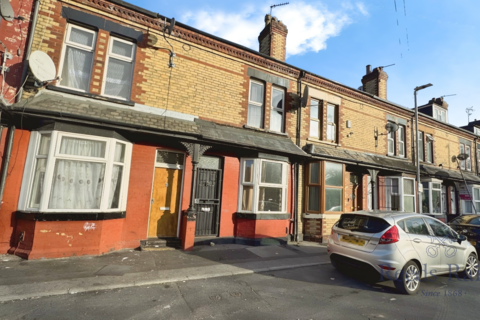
[353,240]
[474,243]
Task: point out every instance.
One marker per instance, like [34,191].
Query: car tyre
[471,268]
[409,280]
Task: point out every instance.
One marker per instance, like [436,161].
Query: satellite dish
[6,10]
[42,66]
[391,127]
[305,97]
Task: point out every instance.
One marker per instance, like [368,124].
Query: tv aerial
[277,5]
[469,112]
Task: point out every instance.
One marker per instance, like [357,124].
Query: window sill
[314,216]
[263,216]
[324,142]
[90,95]
[66,216]
[397,157]
[264,130]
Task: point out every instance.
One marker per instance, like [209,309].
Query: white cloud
[309,25]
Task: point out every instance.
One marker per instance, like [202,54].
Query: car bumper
[369,262]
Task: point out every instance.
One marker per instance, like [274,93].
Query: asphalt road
[304,293]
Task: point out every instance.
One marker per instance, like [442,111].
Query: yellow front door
[165,203]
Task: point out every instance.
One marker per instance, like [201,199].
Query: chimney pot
[369,69]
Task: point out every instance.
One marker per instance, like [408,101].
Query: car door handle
[417,240]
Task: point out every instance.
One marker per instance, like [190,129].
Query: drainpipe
[6,161]
[29,49]
[296,185]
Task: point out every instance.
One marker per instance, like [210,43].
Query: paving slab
[271,251]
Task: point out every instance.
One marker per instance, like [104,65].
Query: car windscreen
[361,223]
[466,219]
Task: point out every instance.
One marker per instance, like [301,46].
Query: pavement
[26,279]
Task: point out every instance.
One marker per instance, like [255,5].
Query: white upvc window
[75,173]
[401,141]
[462,162]
[315,116]
[391,143]
[475,196]
[421,146]
[432,197]
[399,194]
[263,186]
[440,114]
[77,58]
[429,148]
[117,79]
[255,104]
[278,110]
[476,130]
[332,123]
[469,159]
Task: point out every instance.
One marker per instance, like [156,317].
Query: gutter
[29,50]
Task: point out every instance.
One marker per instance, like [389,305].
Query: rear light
[386,267]
[391,236]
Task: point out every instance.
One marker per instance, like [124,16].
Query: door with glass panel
[165,202]
[208,196]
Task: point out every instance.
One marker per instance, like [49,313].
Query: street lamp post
[419,185]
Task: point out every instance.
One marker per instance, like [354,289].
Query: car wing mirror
[461,238]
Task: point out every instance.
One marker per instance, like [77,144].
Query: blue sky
[337,39]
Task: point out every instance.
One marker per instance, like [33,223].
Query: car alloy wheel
[471,267]
[409,280]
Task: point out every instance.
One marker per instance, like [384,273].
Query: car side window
[416,226]
[401,224]
[475,222]
[439,229]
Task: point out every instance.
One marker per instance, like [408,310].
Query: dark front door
[208,196]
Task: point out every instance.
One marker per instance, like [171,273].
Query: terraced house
[154,133]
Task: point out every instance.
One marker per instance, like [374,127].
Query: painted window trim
[428,145]
[421,150]
[256,184]
[282,110]
[111,55]
[56,136]
[66,43]
[334,124]
[261,105]
[440,111]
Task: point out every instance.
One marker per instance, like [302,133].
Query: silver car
[403,247]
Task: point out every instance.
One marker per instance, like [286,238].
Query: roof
[71,107]
[446,174]
[359,158]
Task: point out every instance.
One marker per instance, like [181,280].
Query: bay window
[117,81]
[68,172]
[263,186]
[277,112]
[324,178]
[77,59]
[315,116]
[399,194]
[475,196]
[255,104]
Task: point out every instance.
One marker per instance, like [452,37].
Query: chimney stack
[439,101]
[273,38]
[375,82]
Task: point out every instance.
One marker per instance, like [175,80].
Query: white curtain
[78,184]
[77,68]
[255,116]
[119,78]
[114,195]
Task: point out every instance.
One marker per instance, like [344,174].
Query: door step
[160,244]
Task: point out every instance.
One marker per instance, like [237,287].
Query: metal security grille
[208,196]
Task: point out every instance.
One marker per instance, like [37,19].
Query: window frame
[262,105]
[401,192]
[112,55]
[468,161]
[391,140]
[440,114]
[275,109]
[334,124]
[430,190]
[322,187]
[421,151]
[67,42]
[429,148]
[401,136]
[316,121]
[257,184]
[472,202]
[462,162]
[54,155]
